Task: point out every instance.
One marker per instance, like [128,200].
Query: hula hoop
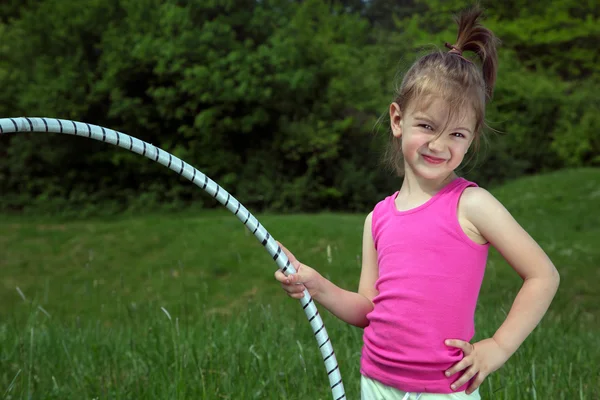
[24,124]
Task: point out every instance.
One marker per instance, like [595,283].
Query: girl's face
[433,145]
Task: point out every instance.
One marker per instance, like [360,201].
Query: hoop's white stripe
[11,125]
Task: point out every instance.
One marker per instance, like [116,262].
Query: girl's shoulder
[470,199]
[481,211]
[475,199]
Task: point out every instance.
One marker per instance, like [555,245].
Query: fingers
[476,383]
[459,366]
[290,284]
[293,260]
[470,373]
[288,253]
[294,290]
[466,347]
[297,296]
[289,280]
[280,276]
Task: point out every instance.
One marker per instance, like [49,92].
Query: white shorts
[373,390]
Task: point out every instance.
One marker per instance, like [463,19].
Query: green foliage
[576,138]
[275,100]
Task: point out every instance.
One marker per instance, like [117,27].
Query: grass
[185,306]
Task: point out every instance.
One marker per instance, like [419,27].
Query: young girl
[425,246]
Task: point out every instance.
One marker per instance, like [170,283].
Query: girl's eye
[425,126]
[458,134]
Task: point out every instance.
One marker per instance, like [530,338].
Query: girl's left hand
[481,359]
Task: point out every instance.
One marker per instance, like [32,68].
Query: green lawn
[81,304]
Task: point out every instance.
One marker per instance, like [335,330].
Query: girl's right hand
[304,278]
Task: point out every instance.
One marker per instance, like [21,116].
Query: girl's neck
[417,187]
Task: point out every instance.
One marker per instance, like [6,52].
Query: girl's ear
[396,120]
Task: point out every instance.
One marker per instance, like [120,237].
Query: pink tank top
[430,273]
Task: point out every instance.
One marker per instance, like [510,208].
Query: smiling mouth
[432,160]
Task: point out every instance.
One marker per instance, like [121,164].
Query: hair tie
[455,50]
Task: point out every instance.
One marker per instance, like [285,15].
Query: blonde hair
[450,76]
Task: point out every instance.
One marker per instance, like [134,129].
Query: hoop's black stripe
[265,242]
[181,170]
[144,152]
[320,329]
[156,159]
[130,143]
[329,356]
[340,381]
[118,140]
[60,124]
[238,208]
[45,123]
[30,124]
[217,192]
[1,130]
[205,182]
[341,397]
[257,226]
[103,133]
[306,305]
[276,256]
[323,344]
[286,267]
[247,218]
[170,159]
[227,201]
[74,126]
[15,124]
[313,317]
[194,176]
[90,132]
[333,369]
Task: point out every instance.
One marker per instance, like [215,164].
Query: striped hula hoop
[24,124]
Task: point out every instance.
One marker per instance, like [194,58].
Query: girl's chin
[431,173]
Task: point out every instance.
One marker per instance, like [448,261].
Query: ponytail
[474,37]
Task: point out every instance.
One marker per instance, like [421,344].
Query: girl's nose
[436,144]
